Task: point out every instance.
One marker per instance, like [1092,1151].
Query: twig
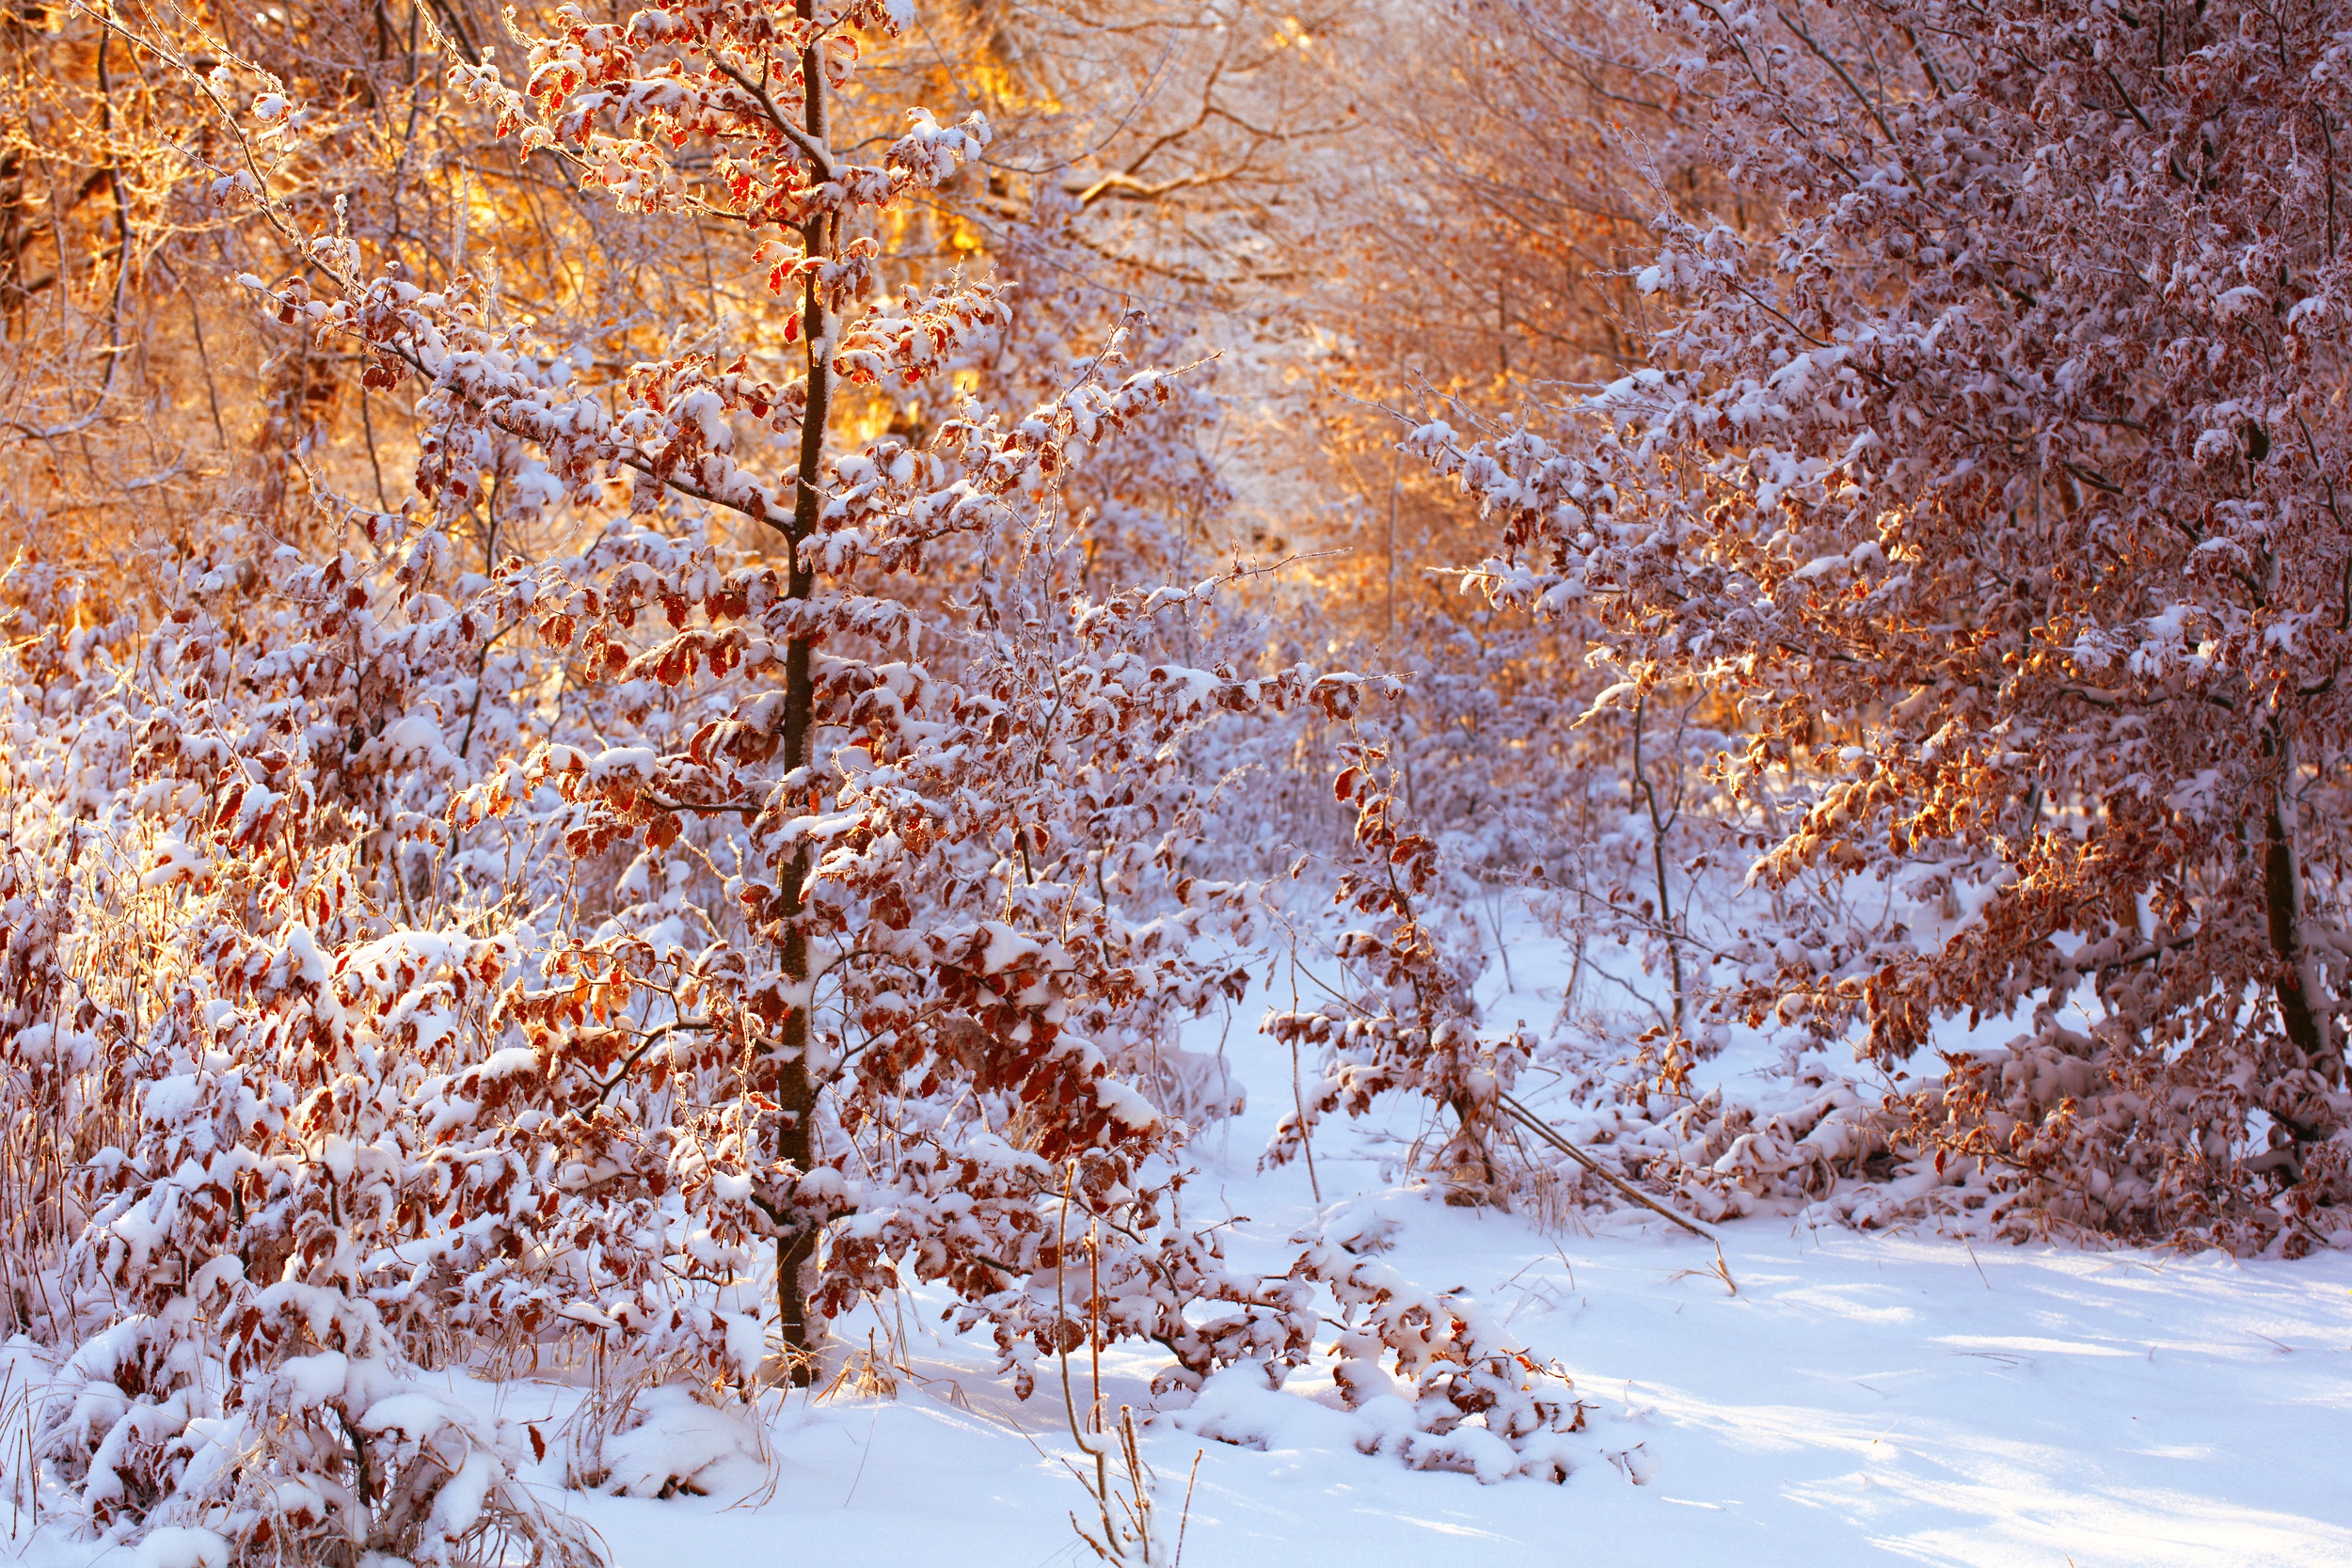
[1543,1130]
[1185,1523]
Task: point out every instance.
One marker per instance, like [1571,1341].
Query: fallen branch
[1545,1131]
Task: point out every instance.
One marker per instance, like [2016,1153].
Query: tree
[901,931]
[1995,470]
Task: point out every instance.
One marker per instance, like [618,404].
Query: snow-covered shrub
[1781,1143]
[1992,473]
[1432,1379]
[296,1098]
[1425,1378]
[1408,1021]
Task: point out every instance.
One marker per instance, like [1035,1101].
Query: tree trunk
[1658,856]
[2283,900]
[795,1093]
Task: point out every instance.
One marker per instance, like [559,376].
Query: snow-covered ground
[1860,1399]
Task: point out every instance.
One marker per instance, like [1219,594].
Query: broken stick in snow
[1545,1131]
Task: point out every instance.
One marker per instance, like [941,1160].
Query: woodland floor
[1862,1398]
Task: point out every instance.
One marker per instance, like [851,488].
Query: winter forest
[1155,782]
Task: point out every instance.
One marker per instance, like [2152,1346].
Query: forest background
[650,658]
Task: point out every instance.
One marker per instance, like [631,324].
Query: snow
[178,1546]
[457,1507]
[413,737]
[316,1379]
[1861,1399]
[678,1439]
[1853,1404]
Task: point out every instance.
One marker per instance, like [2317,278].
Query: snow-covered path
[1863,1399]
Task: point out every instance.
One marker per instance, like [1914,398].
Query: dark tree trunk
[795,1093]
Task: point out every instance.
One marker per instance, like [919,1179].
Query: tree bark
[794,1089]
[2282,899]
